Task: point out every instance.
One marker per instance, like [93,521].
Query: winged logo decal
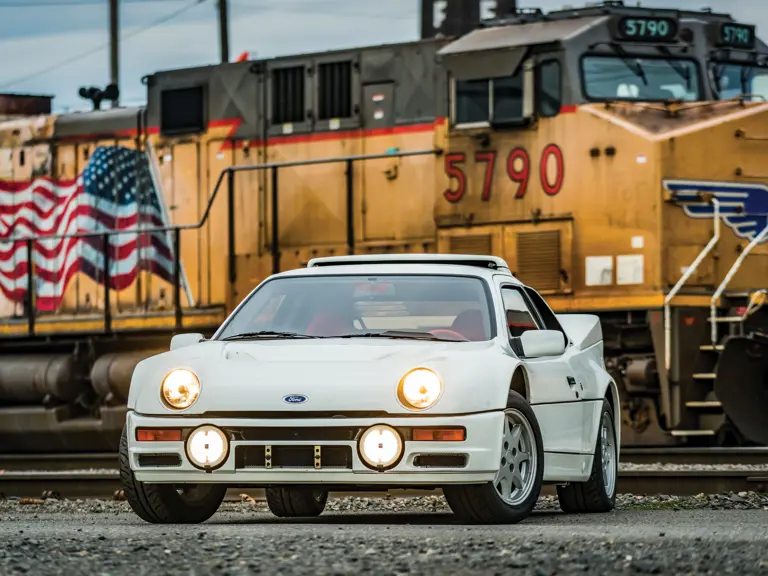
[743,206]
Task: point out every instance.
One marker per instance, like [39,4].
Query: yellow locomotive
[611,154]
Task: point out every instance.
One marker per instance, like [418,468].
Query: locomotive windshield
[731,80]
[642,79]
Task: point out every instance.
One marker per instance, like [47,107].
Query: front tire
[598,493]
[296,502]
[511,496]
[162,503]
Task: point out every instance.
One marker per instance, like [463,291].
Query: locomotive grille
[335,90]
[538,259]
[478,245]
[288,95]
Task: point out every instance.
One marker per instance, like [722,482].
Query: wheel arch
[612,395]
[520,383]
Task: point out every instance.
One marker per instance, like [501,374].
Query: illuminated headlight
[180,389]
[419,389]
[381,446]
[207,447]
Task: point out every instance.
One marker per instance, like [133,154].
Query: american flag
[115,191]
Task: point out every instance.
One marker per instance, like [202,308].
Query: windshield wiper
[400,334]
[267,334]
[682,71]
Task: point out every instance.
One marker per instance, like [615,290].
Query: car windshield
[732,80]
[397,306]
[642,79]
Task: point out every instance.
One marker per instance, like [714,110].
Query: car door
[553,384]
[581,365]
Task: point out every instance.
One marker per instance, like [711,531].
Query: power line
[71,3]
[90,52]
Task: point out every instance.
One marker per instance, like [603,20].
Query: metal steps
[704,404]
[688,433]
[711,348]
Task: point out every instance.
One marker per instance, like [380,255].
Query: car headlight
[207,447]
[381,446]
[419,389]
[180,389]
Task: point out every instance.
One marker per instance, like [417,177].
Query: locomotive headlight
[419,389]
[180,389]
[207,447]
[381,446]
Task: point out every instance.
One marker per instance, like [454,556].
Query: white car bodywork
[245,383]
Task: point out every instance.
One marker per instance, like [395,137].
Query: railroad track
[670,471]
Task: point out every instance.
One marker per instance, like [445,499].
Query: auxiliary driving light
[207,447]
[180,389]
[419,389]
[381,446]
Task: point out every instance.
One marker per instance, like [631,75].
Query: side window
[489,100]
[519,317]
[550,89]
[545,312]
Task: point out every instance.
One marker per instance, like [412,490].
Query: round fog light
[381,446]
[207,447]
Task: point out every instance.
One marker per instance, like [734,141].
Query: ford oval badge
[294,399]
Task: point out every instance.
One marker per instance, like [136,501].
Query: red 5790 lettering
[518,169]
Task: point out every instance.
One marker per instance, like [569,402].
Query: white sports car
[371,373]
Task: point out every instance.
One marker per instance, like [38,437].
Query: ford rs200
[376,373]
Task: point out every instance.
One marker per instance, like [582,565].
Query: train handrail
[680,283]
[728,277]
[226,171]
[174,231]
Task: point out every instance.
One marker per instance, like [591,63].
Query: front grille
[159,460]
[440,460]
[316,434]
[281,456]
[297,414]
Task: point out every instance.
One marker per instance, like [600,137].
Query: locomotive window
[550,92]
[488,100]
[182,110]
[288,95]
[644,79]
[732,80]
[472,100]
[335,90]
[508,97]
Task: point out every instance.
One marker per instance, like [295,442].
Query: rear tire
[511,496]
[162,503]
[598,493]
[296,502]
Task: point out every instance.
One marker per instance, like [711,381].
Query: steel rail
[83,476]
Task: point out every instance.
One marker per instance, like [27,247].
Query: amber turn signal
[440,434]
[158,435]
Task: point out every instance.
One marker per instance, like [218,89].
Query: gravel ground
[713,534]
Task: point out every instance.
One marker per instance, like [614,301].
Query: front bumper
[474,460]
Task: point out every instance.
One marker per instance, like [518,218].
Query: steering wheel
[440,332]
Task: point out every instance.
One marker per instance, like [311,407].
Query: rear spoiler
[584,330]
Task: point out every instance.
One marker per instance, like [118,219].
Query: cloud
[267,27]
[35,39]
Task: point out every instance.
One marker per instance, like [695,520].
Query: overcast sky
[56,46]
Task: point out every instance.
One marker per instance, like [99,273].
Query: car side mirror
[541,343]
[181,340]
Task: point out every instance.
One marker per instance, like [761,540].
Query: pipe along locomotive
[613,155]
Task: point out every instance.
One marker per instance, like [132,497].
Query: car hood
[333,375]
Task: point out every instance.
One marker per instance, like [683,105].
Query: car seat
[327,324]
[470,324]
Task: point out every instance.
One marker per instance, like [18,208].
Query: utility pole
[114,46]
[223,30]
